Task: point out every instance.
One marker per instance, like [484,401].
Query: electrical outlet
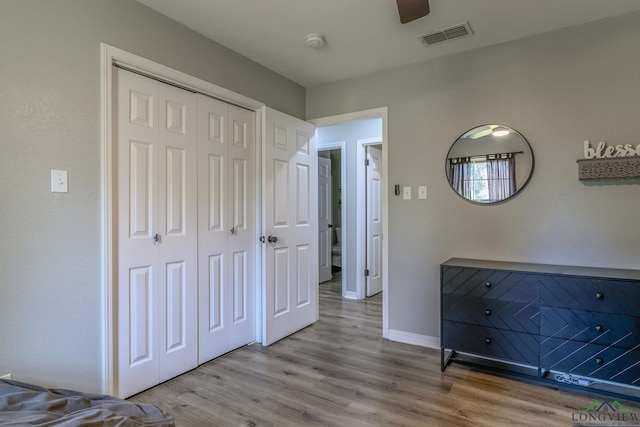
[59,182]
[5,377]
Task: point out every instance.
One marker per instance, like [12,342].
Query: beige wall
[557,89]
[50,249]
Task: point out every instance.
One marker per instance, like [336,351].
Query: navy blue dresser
[580,321]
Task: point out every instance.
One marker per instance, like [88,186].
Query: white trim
[259,264]
[161,72]
[350,295]
[109,56]
[107,221]
[341,145]
[382,113]
[414,339]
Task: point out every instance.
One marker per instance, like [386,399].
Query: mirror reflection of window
[484,179]
[489,164]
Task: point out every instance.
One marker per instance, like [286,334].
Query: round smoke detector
[314,40]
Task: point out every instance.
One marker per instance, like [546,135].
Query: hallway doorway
[351,133]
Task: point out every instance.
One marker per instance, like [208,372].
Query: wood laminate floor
[341,372]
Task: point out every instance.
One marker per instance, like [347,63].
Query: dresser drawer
[493,313]
[491,284]
[592,360]
[590,327]
[589,294]
[497,343]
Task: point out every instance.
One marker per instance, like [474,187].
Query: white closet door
[178,228]
[227,216]
[156,240]
[290,215]
[137,223]
[242,242]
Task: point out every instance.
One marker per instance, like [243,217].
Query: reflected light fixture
[500,131]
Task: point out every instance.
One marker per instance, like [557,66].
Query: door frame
[375,113]
[111,56]
[341,145]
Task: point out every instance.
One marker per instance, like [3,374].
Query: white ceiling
[363,36]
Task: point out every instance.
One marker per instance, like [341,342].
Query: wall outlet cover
[422,192]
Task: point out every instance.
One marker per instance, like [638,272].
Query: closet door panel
[213,227]
[177,246]
[136,211]
[226,183]
[242,242]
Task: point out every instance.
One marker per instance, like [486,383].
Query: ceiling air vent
[460,30]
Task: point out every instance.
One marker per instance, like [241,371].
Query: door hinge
[366,162]
[366,272]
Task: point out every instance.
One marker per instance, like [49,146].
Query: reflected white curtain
[459,175]
[501,175]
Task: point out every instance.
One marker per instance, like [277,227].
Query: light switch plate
[406,193]
[59,182]
[422,192]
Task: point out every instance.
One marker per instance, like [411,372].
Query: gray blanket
[29,405]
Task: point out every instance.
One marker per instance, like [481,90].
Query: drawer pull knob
[599,361]
[488,285]
[487,340]
[599,328]
[599,295]
[487,312]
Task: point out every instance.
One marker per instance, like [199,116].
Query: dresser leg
[444,361]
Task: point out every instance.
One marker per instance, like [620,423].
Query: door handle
[330,225]
[272,239]
[156,238]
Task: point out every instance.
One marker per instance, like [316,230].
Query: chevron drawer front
[490,284]
[590,294]
[591,360]
[492,342]
[494,313]
[580,321]
[590,327]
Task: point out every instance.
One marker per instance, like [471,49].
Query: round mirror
[489,164]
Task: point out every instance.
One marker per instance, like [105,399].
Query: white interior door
[374,221]
[156,232]
[227,227]
[324,219]
[290,225]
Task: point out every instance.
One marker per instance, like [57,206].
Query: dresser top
[609,273]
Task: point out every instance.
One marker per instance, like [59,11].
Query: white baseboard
[5,377]
[350,295]
[414,339]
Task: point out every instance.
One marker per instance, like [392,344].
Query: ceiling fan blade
[410,10]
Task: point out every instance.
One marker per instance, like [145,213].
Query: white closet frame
[111,56]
